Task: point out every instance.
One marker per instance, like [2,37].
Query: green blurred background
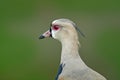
[24,57]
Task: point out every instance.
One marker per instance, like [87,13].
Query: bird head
[61,29]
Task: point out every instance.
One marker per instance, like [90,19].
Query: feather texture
[71,66]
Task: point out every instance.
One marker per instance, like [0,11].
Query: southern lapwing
[71,66]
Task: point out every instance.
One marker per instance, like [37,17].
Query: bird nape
[71,66]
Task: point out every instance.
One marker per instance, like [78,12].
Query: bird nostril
[47,33]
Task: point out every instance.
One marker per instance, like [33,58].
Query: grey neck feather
[70,52]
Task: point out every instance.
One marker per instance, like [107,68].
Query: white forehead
[63,21]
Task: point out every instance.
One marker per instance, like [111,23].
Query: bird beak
[46,34]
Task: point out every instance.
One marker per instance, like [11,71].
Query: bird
[71,67]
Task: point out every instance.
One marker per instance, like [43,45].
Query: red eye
[55,27]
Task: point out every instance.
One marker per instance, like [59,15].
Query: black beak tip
[41,37]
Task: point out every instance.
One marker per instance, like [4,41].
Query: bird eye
[55,27]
